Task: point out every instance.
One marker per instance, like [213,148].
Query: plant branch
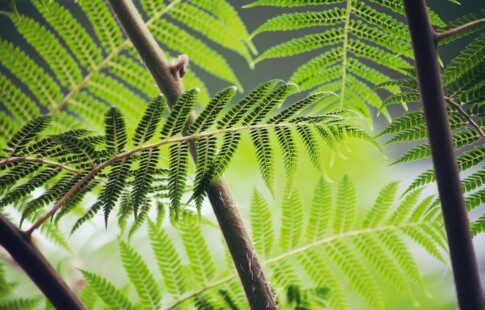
[466,116]
[453,206]
[131,152]
[36,266]
[42,161]
[449,33]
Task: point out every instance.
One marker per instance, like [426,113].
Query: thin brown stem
[463,260]
[466,116]
[42,161]
[26,255]
[449,33]
[168,80]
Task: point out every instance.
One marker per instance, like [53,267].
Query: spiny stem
[453,206]
[466,116]
[449,33]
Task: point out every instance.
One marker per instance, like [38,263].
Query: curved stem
[449,33]
[37,267]
[453,206]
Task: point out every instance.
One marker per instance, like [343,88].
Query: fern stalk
[463,259]
[37,267]
[168,81]
[449,33]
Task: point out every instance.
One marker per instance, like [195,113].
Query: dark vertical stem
[257,289]
[37,267]
[463,259]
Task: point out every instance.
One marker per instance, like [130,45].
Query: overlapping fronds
[71,164]
[69,67]
[361,46]
[465,94]
[369,251]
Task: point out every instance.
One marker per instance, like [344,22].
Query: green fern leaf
[179,114]
[115,185]
[405,208]
[297,107]
[301,45]
[111,296]
[234,115]
[320,212]
[23,190]
[209,114]
[205,149]
[264,155]
[143,178]
[200,261]
[350,264]
[274,99]
[18,172]
[478,226]
[384,201]
[47,45]
[261,225]
[16,101]
[27,133]
[168,260]
[76,146]
[141,277]
[115,131]
[19,303]
[179,158]
[140,218]
[292,222]
[345,209]
[288,147]
[39,82]
[468,58]
[149,122]
[88,215]
[311,145]
[104,24]
[230,142]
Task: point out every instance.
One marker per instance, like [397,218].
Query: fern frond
[115,131]
[178,170]
[168,260]
[235,114]
[381,206]
[143,178]
[261,225]
[208,116]
[205,150]
[16,101]
[264,155]
[200,260]
[23,190]
[288,147]
[139,274]
[149,122]
[292,221]
[88,215]
[179,114]
[48,47]
[115,185]
[345,210]
[478,226]
[111,296]
[27,133]
[19,303]
[468,58]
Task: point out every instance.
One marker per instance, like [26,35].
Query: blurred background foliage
[96,249]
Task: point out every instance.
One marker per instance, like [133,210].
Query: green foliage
[463,82]
[75,162]
[353,37]
[83,76]
[370,249]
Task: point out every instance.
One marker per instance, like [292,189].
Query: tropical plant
[86,131]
